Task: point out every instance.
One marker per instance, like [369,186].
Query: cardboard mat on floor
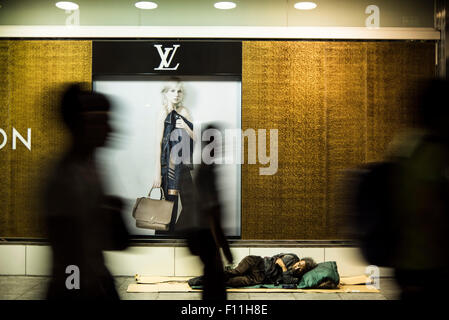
[179,284]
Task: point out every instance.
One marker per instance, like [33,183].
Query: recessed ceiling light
[66,5]
[305,5]
[146,5]
[225,5]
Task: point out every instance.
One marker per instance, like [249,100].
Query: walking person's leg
[214,287]
[201,243]
[187,218]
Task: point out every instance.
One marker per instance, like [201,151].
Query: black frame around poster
[167,58]
[163,60]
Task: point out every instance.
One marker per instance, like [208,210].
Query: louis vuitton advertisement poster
[173,92]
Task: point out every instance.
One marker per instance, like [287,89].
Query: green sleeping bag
[325,271]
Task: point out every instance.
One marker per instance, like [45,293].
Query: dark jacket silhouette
[207,237]
[81,220]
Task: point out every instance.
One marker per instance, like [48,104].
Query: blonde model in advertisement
[174,125]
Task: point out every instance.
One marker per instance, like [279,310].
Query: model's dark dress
[176,178]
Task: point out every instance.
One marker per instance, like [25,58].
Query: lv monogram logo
[168,53]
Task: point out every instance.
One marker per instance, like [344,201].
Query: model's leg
[188,193]
[167,185]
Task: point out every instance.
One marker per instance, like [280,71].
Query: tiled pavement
[34,288]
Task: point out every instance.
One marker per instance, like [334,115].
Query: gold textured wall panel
[35,72]
[393,69]
[281,90]
[345,77]
[336,105]
[5,156]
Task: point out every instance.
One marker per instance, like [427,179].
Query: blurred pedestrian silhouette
[81,220]
[206,237]
[422,214]
[402,203]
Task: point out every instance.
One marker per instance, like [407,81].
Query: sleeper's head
[303,266]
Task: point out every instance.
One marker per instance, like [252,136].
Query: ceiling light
[66,5]
[225,5]
[146,5]
[305,5]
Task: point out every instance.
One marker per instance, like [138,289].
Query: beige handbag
[153,214]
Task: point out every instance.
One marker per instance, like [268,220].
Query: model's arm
[185,113]
[159,133]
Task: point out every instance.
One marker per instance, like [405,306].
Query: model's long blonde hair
[166,87]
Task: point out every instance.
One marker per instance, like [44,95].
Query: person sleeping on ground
[283,268]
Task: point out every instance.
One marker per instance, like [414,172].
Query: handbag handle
[162,193]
